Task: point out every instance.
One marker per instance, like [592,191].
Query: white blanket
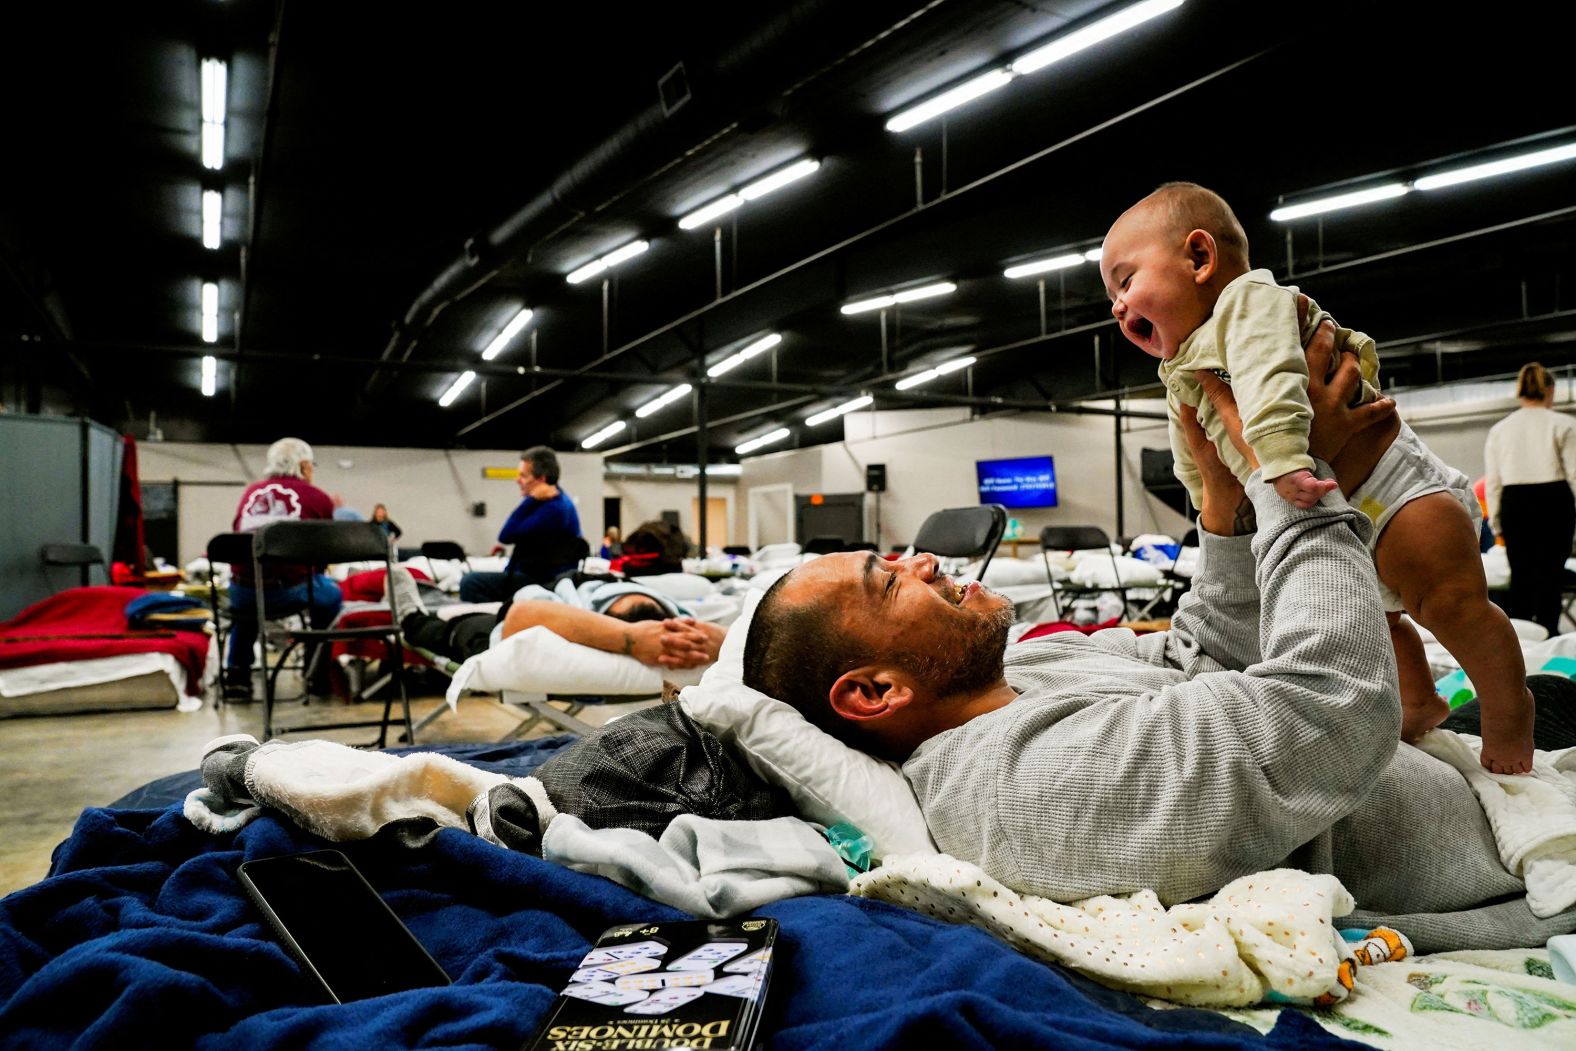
[1267,935]
[1533,815]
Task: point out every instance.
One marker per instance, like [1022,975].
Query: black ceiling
[398,183]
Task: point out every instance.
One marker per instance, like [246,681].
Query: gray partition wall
[59,483]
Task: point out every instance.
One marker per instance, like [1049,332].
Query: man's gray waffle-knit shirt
[1259,732]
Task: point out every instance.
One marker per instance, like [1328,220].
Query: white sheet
[63,675]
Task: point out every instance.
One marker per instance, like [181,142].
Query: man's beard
[974,661]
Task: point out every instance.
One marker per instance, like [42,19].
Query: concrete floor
[53,766]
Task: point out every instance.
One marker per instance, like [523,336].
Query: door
[716,520]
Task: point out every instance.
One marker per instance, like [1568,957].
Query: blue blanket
[141,937]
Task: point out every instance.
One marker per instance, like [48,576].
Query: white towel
[1533,815]
[1270,933]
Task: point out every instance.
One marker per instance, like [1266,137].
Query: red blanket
[84,623]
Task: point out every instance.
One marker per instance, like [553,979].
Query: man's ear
[870,693]
[1202,255]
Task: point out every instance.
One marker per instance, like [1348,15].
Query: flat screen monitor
[1025,481]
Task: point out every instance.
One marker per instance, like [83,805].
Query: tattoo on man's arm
[1246,519]
[629,644]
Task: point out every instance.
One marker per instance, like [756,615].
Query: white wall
[429,492]
[930,454]
[645,499]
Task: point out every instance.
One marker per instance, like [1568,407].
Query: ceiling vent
[673,87]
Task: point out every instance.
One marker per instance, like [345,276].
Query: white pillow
[1011,572]
[537,661]
[680,586]
[828,781]
[1100,572]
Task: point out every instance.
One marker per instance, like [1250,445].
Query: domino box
[689,984]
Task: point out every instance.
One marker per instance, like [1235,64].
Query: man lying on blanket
[615,616]
[1261,731]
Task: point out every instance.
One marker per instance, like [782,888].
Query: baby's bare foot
[1507,738]
[1420,714]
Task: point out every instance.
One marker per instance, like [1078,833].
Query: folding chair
[823,545]
[318,543]
[963,532]
[83,556]
[1078,538]
[446,549]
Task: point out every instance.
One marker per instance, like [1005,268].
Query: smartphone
[338,929]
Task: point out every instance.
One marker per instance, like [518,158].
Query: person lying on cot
[1260,731]
[615,616]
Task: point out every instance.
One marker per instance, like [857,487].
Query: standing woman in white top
[1530,467]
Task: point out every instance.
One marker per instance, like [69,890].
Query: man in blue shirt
[544,529]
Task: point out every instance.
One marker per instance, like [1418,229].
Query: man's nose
[921,565]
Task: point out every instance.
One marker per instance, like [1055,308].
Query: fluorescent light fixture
[940,288]
[1094,254]
[511,330]
[629,251]
[214,75]
[210,312]
[456,389]
[212,216]
[778,179]
[1040,266]
[1344,200]
[968,91]
[759,188]
[838,410]
[766,439]
[721,206]
[727,364]
[862,305]
[916,379]
[603,435]
[591,269]
[929,374]
[613,258]
[210,375]
[212,146]
[908,295]
[1092,34]
[724,470]
[664,401]
[1553,155]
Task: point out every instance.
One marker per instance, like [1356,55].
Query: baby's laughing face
[1150,279]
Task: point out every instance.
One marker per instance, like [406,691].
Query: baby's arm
[1262,344]
[1183,464]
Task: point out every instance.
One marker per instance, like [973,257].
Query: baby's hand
[1301,489]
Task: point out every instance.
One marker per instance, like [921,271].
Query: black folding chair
[1079,538]
[446,549]
[963,532]
[319,543]
[823,545]
[83,556]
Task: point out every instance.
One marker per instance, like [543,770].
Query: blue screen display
[1028,481]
